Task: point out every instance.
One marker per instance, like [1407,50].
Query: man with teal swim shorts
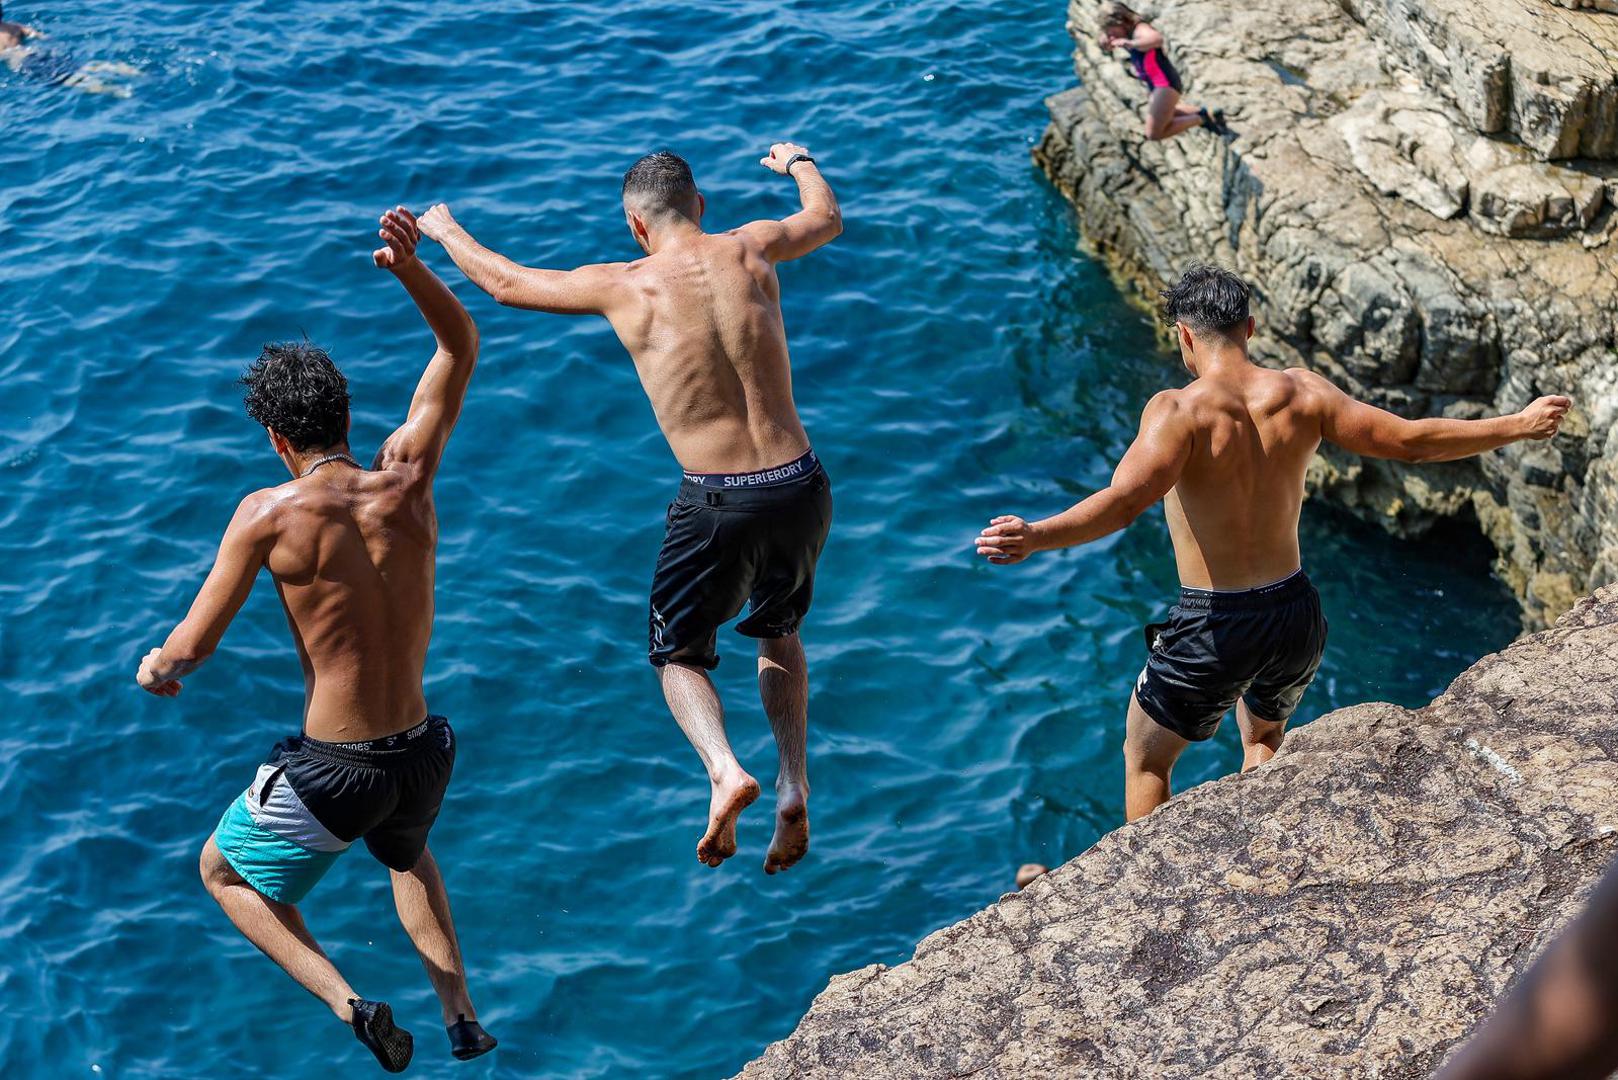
[352,551]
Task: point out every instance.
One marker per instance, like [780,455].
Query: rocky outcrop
[1351,909]
[1423,192]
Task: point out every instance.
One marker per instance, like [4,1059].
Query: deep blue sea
[957,356]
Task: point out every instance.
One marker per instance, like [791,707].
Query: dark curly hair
[1208,300]
[295,389]
[660,183]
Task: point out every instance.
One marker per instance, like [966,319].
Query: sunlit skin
[1226,456]
[1560,1022]
[352,553]
[700,316]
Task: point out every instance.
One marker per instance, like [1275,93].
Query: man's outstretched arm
[816,225]
[242,552]
[1373,432]
[436,405]
[589,290]
[1148,471]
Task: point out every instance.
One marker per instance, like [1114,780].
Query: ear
[637,225]
[277,443]
[1251,323]
[1186,338]
[702,204]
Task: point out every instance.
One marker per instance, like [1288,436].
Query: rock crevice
[1425,195]
[1351,909]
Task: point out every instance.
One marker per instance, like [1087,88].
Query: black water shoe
[373,1026]
[468,1040]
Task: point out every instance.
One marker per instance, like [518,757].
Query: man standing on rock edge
[701,318]
[1227,455]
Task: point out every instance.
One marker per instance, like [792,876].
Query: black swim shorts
[734,539]
[1262,645]
[312,799]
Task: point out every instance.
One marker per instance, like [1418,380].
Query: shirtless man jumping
[352,553]
[701,318]
[1227,455]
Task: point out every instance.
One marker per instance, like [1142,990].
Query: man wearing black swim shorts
[352,551]
[1227,455]
[701,317]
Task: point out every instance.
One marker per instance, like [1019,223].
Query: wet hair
[661,183]
[1208,300]
[1122,16]
[295,389]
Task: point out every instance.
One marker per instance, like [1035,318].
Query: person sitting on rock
[1227,456]
[1166,114]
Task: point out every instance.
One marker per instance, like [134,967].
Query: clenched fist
[1545,414]
[436,222]
[781,153]
[147,677]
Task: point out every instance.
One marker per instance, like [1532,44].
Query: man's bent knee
[216,872]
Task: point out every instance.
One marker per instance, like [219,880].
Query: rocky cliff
[1351,909]
[1423,193]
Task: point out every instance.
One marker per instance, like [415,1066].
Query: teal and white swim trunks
[312,799]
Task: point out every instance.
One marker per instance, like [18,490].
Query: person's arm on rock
[1373,432]
[1148,471]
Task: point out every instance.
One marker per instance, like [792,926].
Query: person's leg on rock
[1150,751]
[1260,738]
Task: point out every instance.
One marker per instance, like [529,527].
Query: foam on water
[955,358]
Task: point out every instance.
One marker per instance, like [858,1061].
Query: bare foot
[791,840]
[730,798]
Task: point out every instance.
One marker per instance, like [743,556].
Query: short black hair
[1208,300]
[294,388]
[662,182]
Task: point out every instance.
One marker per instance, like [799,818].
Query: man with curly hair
[352,552]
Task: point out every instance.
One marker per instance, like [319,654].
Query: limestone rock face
[1351,909]
[1544,74]
[1402,197]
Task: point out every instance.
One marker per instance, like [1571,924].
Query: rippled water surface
[956,357]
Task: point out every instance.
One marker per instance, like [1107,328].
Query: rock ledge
[1350,910]
[1424,193]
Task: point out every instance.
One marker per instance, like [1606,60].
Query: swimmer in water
[1166,113]
[59,69]
[352,552]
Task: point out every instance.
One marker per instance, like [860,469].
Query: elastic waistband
[1286,590]
[781,474]
[388,746]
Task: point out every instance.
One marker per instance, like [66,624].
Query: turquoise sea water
[956,358]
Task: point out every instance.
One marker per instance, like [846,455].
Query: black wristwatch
[794,159]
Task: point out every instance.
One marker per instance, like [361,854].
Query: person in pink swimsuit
[1166,113]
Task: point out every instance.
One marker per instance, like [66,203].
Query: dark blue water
[956,358]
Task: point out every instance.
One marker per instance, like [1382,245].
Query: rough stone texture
[1543,74]
[1350,910]
[1423,265]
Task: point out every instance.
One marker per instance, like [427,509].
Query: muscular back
[1233,513]
[702,320]
[353,561]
